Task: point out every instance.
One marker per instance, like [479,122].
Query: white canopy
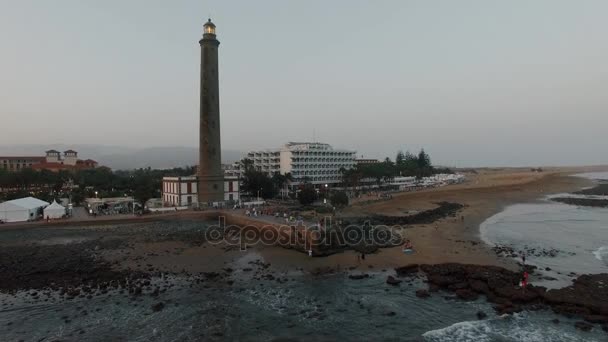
[23,209]
[54,211]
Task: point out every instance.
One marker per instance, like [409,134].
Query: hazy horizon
[476,83]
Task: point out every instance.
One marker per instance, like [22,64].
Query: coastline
[449,239]
[150,267]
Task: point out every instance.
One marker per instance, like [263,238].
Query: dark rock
[466,294]
[555,321]
[432,288]
[407,270]
[158,306]
[358,276]
[584,326]
[481,315]
[421,293]
[507,309]
[392,280]
[211,275]
[596,319]
[479,286]
[391,313]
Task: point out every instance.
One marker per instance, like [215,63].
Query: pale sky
[480,82]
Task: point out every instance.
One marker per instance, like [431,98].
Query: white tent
[54,211]
[23,209]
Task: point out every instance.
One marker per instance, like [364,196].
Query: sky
[474,82]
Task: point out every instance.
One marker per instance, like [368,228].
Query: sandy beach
[448,240]
[451,239]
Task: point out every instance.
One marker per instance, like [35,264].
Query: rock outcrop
[586,298]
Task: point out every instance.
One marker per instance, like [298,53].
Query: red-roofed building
[53,162]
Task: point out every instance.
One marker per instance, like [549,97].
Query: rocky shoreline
[586,298]
[72,271]
[584,202]
[444,209]
[599,190]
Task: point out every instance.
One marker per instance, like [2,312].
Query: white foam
[461,331]
[518,327]
[601,254]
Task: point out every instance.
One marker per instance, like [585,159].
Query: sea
[333,307]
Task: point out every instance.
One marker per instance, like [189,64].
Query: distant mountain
[123,158]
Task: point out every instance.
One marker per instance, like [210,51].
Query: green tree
[144,186]
[339,199]
[247,164]
[255,182]
[307,195]
[424,161]
[400,158]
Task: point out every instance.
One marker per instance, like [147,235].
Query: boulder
[584,326]
[433,288]
[596,319]
[392,281]
[571,310]
[507,309]
[358,276]
[466,294]
[478,286]
[422,293]
[481,315]
[158,306]
[407,270]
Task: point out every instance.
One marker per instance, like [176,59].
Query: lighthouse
[210,175]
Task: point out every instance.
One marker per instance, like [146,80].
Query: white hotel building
[317,162]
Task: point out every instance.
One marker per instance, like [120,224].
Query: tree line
[405,165]
[143,184]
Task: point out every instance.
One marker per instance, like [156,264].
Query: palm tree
[247,164]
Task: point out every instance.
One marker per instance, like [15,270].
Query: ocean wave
[601,254]
[461,331]
[507,328]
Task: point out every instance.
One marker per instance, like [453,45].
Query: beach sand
[451,239]
[484,194]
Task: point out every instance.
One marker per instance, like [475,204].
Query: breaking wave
[602,254]
[515,328]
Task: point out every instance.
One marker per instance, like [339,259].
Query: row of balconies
[316,172]
[263,154]
[320,166]
[333,179]
[328,153]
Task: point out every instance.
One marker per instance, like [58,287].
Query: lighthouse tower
[210,175]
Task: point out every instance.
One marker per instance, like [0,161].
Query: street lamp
[95,194]
[259,193]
